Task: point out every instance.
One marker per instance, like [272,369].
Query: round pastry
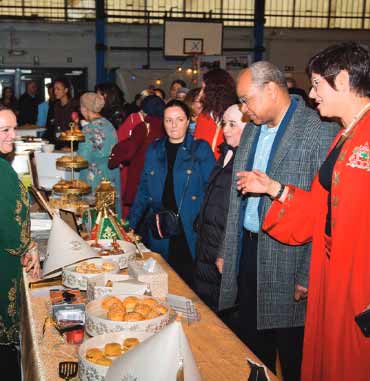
[142,309]
[107,266]
[130,302]
[131,342]
[149,302]
[109,284]
[133,316]
[112,349]
[94,353]
[91,267]
[64,159]
[116,314]
[109,301]
[152,314]
[105,361]
[79,184]
[81,267]
[160,308]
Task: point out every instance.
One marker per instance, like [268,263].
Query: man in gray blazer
[287,140]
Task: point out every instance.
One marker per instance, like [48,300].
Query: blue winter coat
[149,195]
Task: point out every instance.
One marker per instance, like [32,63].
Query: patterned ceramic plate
[129,251]
[97,322]
[89,371]
[73,279]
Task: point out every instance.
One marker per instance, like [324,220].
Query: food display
[115,250]
[72,162]
[92,268]
[116,313]
[132,308]
[77,275]
[96,354]
[69,202]
[72,187]
[73,134]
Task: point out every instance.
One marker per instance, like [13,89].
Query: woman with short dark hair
[334,215]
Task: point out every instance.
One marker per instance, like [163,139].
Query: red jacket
[131,154]
[206,129]
[339,288]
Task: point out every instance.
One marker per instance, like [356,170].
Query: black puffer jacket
[210,226]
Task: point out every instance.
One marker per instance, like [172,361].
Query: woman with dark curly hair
[114,101]
[218,93]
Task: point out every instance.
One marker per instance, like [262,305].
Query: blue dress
[100,137]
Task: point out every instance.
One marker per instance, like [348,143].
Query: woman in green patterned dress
[16,247]
[100,138]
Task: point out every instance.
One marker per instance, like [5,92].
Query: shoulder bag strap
[195,143]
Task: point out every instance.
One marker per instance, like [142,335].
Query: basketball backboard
[184,38]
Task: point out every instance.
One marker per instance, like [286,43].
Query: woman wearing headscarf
[211,222]
[334,215]
[100,137]
[16,247]
[130,153]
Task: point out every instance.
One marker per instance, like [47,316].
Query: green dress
[14,242]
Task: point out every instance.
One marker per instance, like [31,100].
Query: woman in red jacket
[130,153]
[218,93]
[334,215]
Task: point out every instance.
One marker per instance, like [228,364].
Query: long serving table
[219,354]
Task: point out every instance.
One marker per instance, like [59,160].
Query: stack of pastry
[76,205]
[132,308]
[66,161]
[64,185]
[92,268]
[103,356]
[74,131]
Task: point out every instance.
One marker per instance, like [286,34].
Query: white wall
[54,42]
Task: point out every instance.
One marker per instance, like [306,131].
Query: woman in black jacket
[211,222]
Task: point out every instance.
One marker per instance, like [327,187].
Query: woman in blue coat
[168,164]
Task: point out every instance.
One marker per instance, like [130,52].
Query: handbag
[166,223]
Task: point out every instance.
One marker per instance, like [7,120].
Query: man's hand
[300,292]
[219,264]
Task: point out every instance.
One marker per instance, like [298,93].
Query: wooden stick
[40,199]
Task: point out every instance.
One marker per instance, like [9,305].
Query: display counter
[219,354]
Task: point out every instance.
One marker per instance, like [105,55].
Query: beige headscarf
[92,101]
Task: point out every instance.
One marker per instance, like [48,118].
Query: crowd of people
[256,199]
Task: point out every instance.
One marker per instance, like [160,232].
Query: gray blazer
[280,267]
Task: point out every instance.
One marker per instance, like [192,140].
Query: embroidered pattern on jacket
[360,157]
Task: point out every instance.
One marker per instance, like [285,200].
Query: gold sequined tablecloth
[219,354]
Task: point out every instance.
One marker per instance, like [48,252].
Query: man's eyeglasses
[243,100]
